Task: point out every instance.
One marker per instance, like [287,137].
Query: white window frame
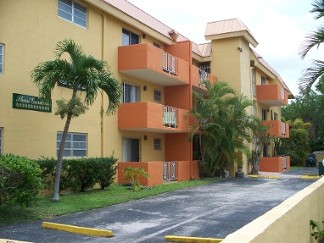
[1,140]
[71,145]
[135,93]
[130,40]
[75,8]
[1,58]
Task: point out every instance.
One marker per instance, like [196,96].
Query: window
[263,80]
[1,57]
[65,84]
[253,82]
[131,150]
[129,38]
[131,93]
[72,12]
[264,115]
[75,144]
[157,95]
[157,144]
[156,45]
[1,140]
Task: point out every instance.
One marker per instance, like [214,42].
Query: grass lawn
[77,202]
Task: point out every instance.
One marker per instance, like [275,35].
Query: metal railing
[282,93]
[170,171]
[203,77]
[284,162]
[170,116]
[169,63]
[283,128]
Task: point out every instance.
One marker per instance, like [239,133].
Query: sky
[279,26]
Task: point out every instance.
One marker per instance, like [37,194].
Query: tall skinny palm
[314,39]
[82,74]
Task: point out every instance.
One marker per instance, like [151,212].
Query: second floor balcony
[277,128]
[152,117]
[149,63]
[272,95]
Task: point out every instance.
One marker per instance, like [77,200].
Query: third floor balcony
[149,63]
[272,95]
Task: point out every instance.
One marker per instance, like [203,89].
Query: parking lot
[215,210]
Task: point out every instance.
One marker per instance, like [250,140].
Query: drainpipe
[190,104]
[102,112]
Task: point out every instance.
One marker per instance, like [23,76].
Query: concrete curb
[13,241]
[186,239]
[264,176]
[78,230]
[310,177]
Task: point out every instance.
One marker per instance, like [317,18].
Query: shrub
[48,166]
[20,180]
[133,175]
[80,174]
[106,171]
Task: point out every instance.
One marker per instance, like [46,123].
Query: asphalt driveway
[215,210]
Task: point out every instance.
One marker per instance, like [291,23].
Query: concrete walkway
[214,210]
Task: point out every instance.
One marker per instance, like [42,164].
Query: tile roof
[271,69]
[227,26]
[143,17]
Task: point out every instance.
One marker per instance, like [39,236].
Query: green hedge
[80,174]
[20,180]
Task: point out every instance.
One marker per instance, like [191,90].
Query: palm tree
[82,74]
[223,126]
[314,39]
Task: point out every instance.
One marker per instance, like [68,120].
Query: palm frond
[113,90]
[310,76]
[313,39]
[318,8]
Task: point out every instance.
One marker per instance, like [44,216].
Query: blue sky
[279,26]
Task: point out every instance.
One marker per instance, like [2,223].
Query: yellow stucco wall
[31,38]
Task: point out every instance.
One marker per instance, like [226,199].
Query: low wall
[288,222]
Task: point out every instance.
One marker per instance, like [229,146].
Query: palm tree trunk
[56,195]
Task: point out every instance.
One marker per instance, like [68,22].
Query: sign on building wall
[27,102]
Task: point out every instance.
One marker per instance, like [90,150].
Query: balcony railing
[169,171]
[169,63]
[170,116]
[199,75]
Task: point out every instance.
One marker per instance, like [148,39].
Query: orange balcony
[152,117]
[160,172]
[274,164]
[198,76]
[146,62]
[272,95]
[277,128]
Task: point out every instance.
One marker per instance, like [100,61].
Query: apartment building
[157,67]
